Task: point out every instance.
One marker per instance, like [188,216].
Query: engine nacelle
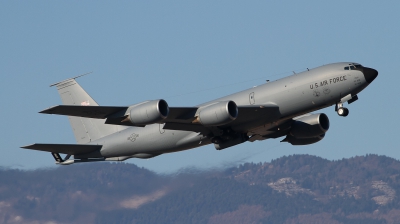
[310,126]
[303,141]
[218,114]
[149,112]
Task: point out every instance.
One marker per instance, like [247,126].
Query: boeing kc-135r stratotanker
[275,109]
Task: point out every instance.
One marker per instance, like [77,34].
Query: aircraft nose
[370,74]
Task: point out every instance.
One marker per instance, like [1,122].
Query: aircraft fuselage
[295,95]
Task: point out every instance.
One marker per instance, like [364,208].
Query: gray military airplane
[151,128]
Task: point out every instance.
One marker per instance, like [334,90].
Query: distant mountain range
[291,189]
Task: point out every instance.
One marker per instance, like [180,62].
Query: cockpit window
[352,66]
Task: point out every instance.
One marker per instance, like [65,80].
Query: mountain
[291,189]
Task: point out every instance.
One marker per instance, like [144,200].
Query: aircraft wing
[179,118]
[70,149]
[116,115]
[99,112]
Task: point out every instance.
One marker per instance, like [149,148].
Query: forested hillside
[291,189]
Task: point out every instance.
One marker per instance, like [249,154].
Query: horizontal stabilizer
[70,149]
[99,112]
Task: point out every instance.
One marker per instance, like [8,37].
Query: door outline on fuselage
[252,99]
[161,128]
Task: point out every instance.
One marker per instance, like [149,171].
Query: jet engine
[148,112]
[308,129]
[218,114]
[310,126]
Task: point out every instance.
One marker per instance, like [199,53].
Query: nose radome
[370,74]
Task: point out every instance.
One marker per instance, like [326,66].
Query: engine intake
[218,114]
[149,112]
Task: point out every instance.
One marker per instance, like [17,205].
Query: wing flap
[256,112]
[187,127]
[70,149]
[255,115]
[181,114]
[248,116]
[176,115]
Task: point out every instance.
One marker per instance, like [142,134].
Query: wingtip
[47,110]
[27,146]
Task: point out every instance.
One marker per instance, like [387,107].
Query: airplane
[144,130]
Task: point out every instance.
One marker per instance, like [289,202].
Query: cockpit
[353,66]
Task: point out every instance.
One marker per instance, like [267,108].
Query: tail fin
[85,129]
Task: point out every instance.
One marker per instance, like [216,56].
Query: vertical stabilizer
[85,129]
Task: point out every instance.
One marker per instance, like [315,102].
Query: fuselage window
[346,68]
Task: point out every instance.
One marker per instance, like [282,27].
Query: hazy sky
[189,52]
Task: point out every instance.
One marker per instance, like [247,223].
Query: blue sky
[189,52]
